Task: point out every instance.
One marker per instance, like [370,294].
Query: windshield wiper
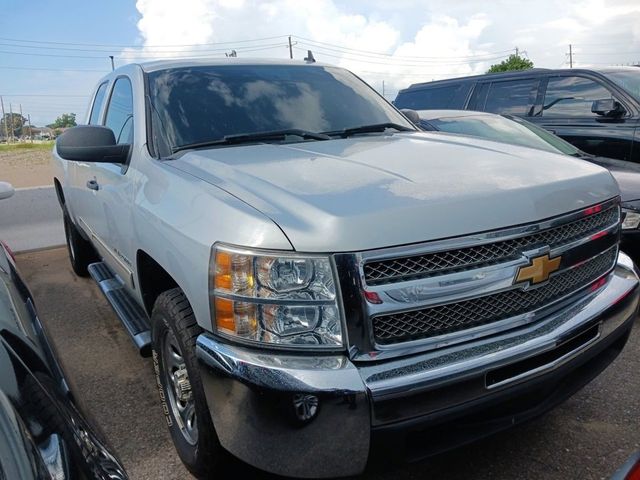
[376,127]
[255,137]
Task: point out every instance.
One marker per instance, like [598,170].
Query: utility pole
[290,48]
[30,133]
[517,52]
[21,121]
[570,56]
[4,120]
[112,66]
[11,119]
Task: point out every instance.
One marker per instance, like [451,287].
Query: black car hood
[627,175]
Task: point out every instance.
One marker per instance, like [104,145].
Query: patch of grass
[26,146]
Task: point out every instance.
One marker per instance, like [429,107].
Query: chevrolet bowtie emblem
[539,270]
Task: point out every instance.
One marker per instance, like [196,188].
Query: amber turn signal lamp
[224,315]
[222,279]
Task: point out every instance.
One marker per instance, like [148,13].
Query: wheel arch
[153,279]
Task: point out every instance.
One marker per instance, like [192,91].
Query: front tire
[173,335]
[81,252]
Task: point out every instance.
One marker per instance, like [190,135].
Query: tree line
[14,124]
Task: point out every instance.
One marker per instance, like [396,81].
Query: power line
[51,55]
[399,56]
[7,67]
[606,53]
[39,95]
[143,49]
[134,55]
[141,46]
[392,58]
[398,64]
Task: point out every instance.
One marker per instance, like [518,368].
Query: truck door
[113,227]
[81,174]
[566,111]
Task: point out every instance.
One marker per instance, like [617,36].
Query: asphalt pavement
[31,219]
[587,437]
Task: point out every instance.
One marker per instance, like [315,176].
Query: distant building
[42,133]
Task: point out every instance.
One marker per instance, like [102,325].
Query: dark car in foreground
[598,111]
[43,435]
[517,131]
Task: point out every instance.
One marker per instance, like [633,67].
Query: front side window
[120,111]
[512,97]
[572,97]
[202,104]
[97,104]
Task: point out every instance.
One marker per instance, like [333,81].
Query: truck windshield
[202,104]
[629,80]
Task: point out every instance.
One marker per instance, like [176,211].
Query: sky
[52,54]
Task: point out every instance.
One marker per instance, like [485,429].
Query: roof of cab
[517,73]
[155,65]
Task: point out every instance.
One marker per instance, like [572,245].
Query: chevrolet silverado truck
[320,283]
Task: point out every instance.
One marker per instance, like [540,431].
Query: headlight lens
[278,298]
[631,219]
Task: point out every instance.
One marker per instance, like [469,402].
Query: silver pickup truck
[320,283]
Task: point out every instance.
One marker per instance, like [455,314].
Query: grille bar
[438,263]
[454,317]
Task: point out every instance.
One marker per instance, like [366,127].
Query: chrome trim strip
[548,366]
[475,239]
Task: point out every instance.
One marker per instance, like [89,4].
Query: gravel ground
[587,437]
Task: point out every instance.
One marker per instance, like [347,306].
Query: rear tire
[81,252]
[173,337]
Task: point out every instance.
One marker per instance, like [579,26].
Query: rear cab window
[450,96]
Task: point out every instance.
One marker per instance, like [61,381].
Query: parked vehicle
[317,280]
[630,470]
[517,131]
[42,433]
[598,111]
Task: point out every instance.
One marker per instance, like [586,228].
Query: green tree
[514,62]
[65,120]
[14,124]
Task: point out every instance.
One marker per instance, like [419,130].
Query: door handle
[93,184]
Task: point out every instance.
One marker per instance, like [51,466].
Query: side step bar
[132,316]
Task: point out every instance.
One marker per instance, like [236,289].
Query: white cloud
[447,40]
[421,39]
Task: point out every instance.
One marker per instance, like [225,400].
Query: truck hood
[375,191]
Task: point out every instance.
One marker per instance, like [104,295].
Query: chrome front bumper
[306,416]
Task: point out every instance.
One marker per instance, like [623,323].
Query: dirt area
[26,165]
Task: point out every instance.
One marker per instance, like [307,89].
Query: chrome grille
[454,317]
[438,263]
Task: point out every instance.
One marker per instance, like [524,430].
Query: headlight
[631,219]
[275,298]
